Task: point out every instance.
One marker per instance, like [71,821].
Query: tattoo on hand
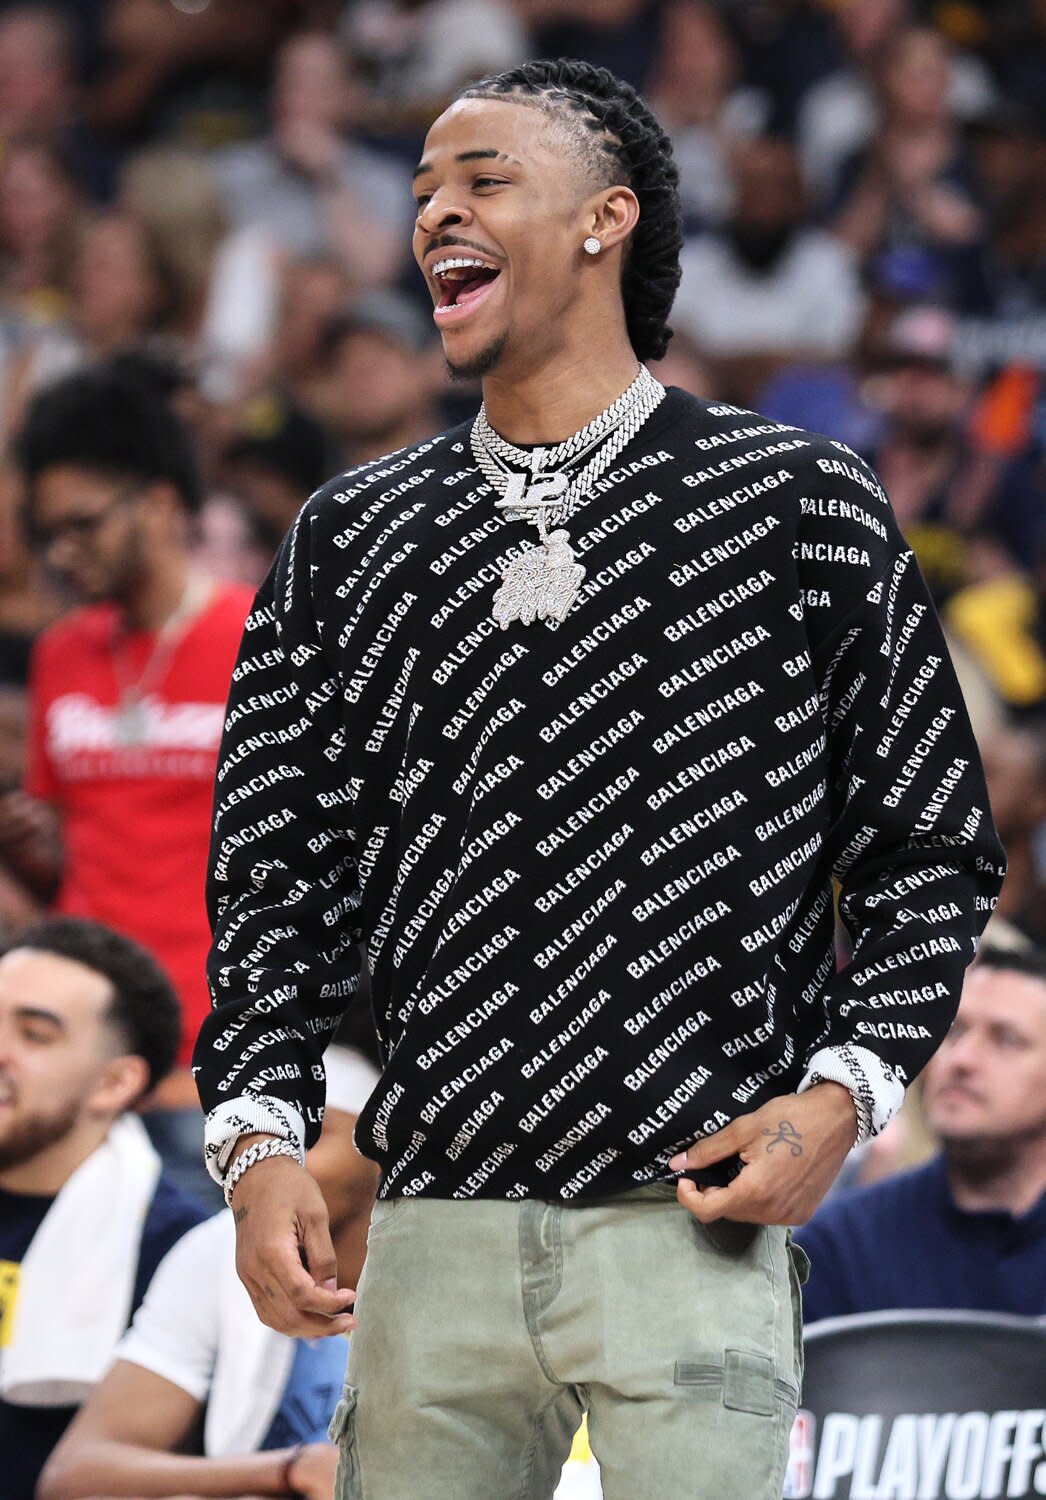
[240,1214]
[786,1134]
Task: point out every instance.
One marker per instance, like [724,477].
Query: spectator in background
[39,96]
[766,287]
[787,45]
[968,512]
[838,397]
[121,293]
[202,1397]
[383,366]
[277,456]
[312,289]
[621,35]
[222,281]
[88,1025]
[1015,768]
[36,70]
[968,1230]
[192,1359]
[695,90]
[839,113]
[308,184]
[415,54]
[1021,63]
[998,285]
[121,288]
[938,488]
[190,72]
[41,217]
[911,185]
[127,693]
[176,199]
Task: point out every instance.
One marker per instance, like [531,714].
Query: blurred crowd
[209,202]
[223,189]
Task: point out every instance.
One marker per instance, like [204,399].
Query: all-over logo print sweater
[591,863]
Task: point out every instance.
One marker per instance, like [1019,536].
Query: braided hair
[619,141]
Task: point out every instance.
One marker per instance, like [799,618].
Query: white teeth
[459,263]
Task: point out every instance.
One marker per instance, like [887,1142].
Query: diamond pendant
[537,496]
[540,583]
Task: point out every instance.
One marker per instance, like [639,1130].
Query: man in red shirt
[127,693]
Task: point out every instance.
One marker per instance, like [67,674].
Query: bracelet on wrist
[260,1151]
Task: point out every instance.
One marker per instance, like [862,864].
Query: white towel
[251,1367]
[198,1329]
[77,1278]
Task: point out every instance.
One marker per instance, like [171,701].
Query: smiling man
[968,1229]
[579,795]
[88,1024]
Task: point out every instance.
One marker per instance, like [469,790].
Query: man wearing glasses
[127,694]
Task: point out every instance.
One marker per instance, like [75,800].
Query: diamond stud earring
[592,245]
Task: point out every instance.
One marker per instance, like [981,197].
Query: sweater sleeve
[283,894]
[910,836]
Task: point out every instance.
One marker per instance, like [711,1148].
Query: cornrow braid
[621,141]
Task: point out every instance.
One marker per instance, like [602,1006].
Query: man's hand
[792,1149]
[31,843]
[313,1471]
[284,1254]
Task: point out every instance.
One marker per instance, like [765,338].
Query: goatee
[480,364]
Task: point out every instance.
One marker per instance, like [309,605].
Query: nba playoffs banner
[921,1406]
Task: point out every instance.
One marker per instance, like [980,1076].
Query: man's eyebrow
[487,153]
[37,1013]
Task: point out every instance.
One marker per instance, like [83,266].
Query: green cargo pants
[486,1328]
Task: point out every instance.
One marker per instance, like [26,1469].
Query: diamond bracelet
[256,1153]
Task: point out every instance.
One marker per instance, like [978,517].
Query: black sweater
[591,863]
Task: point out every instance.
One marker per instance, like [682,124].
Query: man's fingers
[320,1259]
[710,1148]
[701,1202]
[282,1266]
[708,1204]
[311,1326]
[276,1310]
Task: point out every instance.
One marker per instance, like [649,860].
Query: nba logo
[799,1479]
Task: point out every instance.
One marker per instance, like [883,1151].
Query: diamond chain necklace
[543,581]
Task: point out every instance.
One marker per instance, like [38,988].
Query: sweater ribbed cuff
[877,1091]
[248,1114]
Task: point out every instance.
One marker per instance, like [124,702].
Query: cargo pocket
[745,1380]
[342,1430]
[798,1275]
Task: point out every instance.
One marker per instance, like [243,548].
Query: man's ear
[124,1081]
[612,216]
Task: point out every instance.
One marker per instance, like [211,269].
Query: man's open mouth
[463,280]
